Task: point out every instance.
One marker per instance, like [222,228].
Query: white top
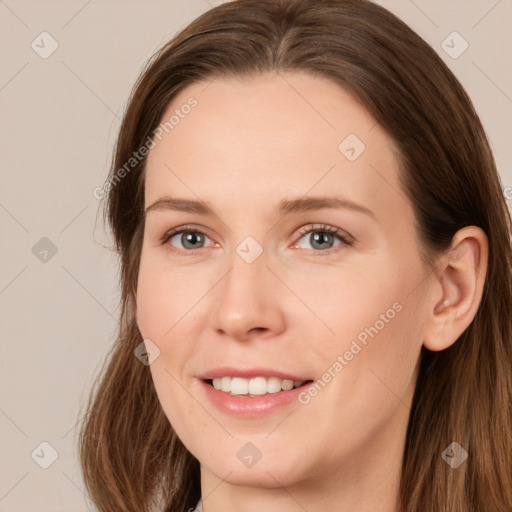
[199,506]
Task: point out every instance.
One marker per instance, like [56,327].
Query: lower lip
[250,407]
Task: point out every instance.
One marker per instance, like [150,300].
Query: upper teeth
[254,386]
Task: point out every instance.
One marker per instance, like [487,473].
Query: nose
[249,301]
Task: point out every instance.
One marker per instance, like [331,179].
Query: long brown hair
[131,458]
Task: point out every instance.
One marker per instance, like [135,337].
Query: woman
[344,343]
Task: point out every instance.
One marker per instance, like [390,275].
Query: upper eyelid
[190,228]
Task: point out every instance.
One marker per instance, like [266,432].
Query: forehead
[260,139]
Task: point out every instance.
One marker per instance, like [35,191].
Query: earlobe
[461,276]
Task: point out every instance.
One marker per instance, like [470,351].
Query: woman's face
[299,267]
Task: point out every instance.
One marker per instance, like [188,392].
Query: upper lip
[249,373]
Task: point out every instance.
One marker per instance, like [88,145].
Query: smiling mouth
[255,386]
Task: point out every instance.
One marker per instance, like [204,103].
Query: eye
[323,237]
[188,237]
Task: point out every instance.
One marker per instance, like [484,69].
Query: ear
[460,276]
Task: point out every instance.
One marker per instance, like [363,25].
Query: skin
[247,145]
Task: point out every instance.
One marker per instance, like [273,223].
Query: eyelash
[346,240]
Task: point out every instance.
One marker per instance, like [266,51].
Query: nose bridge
[245,300]
[247,264]
[246,274]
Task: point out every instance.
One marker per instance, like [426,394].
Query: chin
[269,471]
[260,477]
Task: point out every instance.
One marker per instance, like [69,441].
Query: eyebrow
[284,207]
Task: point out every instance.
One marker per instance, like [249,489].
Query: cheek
[369,371]
[165,303]
[368,346]
[163,310]
[166,297]
[361,303]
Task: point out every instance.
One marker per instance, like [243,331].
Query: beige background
[59,119]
